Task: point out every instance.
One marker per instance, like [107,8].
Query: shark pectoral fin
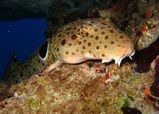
[118,61]
[52,66]
[106,60]
[130,56]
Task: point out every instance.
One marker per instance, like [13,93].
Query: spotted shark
[75,42]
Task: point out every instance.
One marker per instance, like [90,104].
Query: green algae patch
[124,101]
[34,103]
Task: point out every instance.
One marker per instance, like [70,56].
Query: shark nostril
[43,50]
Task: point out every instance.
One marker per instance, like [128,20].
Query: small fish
[76,42]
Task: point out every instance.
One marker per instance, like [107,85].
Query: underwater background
[91,87]
[21,37]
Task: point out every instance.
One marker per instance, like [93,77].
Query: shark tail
[41,59]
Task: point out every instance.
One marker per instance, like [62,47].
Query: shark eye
[43,50]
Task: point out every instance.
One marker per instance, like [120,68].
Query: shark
[73,43]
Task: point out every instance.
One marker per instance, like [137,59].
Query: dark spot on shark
[105,46]
[111,31]
[43,63]
[102,27]
[72,53]
[63,42]
[68,28]
[78,29]
[112,42]
[68,33]
[106,37]
[91,36]
[89,44]
[87,34]
[102,32]
[121,36]
[43,50]
[97,47]
[73,37]
[103,55]
[79,43]
[95,30]
[81,33]
[97,37]
[108,26]
[103,23]
[59,35]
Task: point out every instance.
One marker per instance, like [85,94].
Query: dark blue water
[21,37]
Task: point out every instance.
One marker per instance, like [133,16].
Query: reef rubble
[82,89]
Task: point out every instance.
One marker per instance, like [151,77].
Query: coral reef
[154,89]
[81,89]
